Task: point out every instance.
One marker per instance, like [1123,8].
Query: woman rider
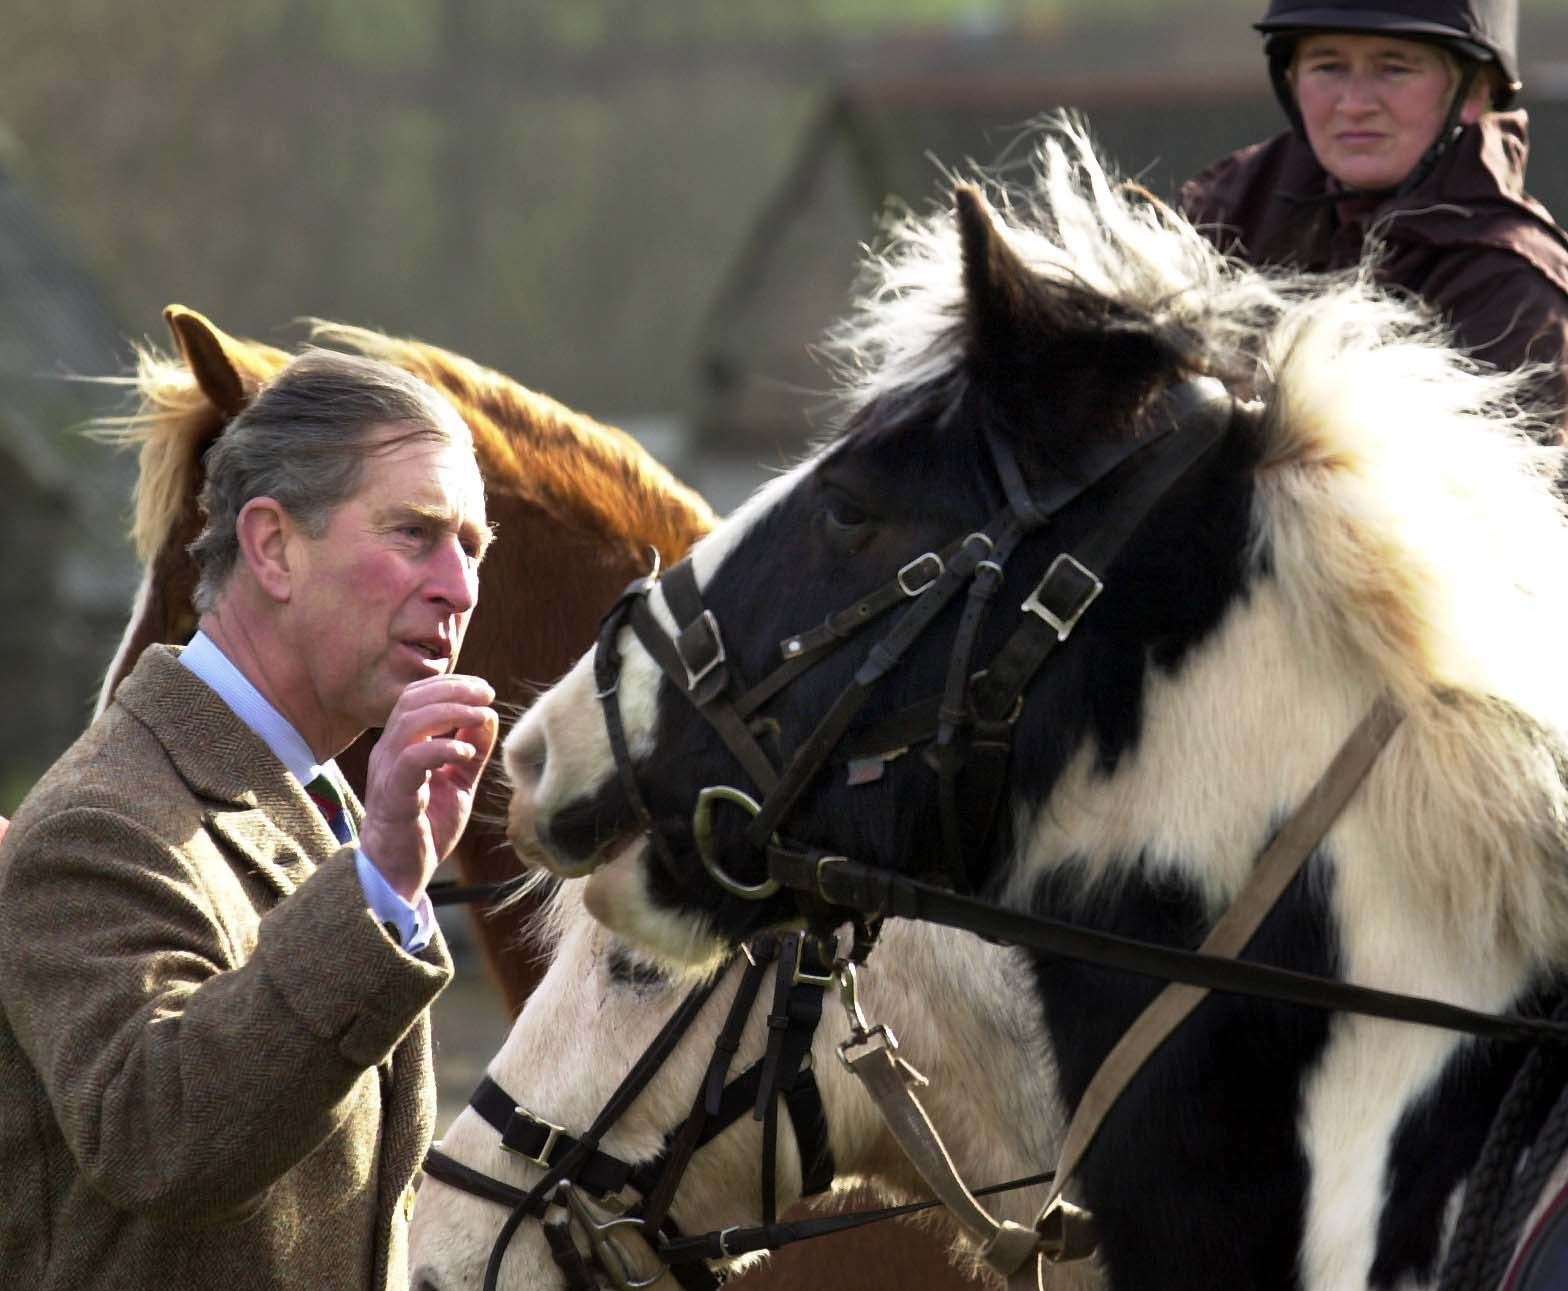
[1401,134]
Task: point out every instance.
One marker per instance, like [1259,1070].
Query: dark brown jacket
[1469,240]
[214,1064]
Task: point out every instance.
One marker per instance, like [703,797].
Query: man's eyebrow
[444,517]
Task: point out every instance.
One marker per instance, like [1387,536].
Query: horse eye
[845,515]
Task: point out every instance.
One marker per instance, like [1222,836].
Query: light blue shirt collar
[203,657]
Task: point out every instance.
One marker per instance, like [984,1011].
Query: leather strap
[452,1172]
[1273,872]
[842,882]
[890,1081]
[543,1143]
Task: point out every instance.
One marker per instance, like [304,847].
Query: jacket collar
[257,807]
[1481,174]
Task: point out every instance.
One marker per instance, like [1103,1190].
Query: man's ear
[264,530]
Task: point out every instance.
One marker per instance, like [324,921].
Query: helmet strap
[1450,132]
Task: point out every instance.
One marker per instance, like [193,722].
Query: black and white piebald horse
[1252,510]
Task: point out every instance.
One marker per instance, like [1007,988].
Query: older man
[214,965]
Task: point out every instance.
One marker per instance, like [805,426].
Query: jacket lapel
[257,808]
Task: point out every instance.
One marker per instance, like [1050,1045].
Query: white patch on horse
[617,896]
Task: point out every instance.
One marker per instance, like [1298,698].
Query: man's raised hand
[424,769]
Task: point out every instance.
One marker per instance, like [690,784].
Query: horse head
[1015,374]
[1117,543]
[601,1005]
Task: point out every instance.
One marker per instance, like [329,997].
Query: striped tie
[330,802]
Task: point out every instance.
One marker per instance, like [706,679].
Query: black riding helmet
[1475,31]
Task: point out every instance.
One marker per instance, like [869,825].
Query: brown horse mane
[588,474]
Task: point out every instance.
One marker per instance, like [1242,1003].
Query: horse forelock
[1077,228]
[172,425]
[590,475]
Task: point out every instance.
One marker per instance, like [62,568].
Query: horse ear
[205,349]
[1023,326]
[1004,297]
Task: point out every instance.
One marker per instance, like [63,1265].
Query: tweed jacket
[214,1062]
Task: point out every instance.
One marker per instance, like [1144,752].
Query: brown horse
[579,508]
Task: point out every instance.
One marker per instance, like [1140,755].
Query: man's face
[1372,105]
[382,598]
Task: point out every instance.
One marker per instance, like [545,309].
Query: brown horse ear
[205,350]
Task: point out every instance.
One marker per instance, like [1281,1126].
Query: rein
[450,892]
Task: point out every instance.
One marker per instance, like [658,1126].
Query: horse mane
[589,475]
[172,426]
[1410,519]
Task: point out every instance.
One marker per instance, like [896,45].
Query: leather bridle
[581,1184]
[967,729]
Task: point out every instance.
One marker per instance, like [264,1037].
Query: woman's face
[1372,105]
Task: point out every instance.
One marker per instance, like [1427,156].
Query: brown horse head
[185,403]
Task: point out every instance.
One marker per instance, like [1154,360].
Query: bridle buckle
[915,566]
[711,626]
[1066,591]
[552,1136]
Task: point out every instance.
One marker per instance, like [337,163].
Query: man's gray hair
[303,441]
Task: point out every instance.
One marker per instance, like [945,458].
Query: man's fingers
[436,719]
[453,688]
[412,767]
[484,733]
